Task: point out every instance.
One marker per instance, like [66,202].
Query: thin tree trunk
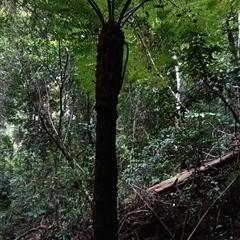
[178,96]
[238,35]
[108,85]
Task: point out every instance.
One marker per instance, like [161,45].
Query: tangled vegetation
[178,110]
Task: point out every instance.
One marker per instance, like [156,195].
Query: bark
[238,35]
[231,35]
[108,85]
[178,96]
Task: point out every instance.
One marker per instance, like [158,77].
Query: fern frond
[131,12]
[125,8]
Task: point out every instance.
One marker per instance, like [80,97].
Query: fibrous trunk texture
[108,85]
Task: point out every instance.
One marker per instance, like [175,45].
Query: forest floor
[201,203]
[197,204]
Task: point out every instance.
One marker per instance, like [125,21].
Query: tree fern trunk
[108,85]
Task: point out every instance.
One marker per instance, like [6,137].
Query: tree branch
[41,227]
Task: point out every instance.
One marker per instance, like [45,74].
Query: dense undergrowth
[49,193]
[207,207]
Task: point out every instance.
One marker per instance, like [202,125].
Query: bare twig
[152,210]
[204,215]
[41,227]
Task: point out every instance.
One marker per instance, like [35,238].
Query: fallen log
[177,182]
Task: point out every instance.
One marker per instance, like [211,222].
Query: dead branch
[178,181]
[41,227]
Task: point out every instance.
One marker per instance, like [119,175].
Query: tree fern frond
[125,8]
[97,10]
[110,8]
[131,12]
[83,11]
[113,10]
